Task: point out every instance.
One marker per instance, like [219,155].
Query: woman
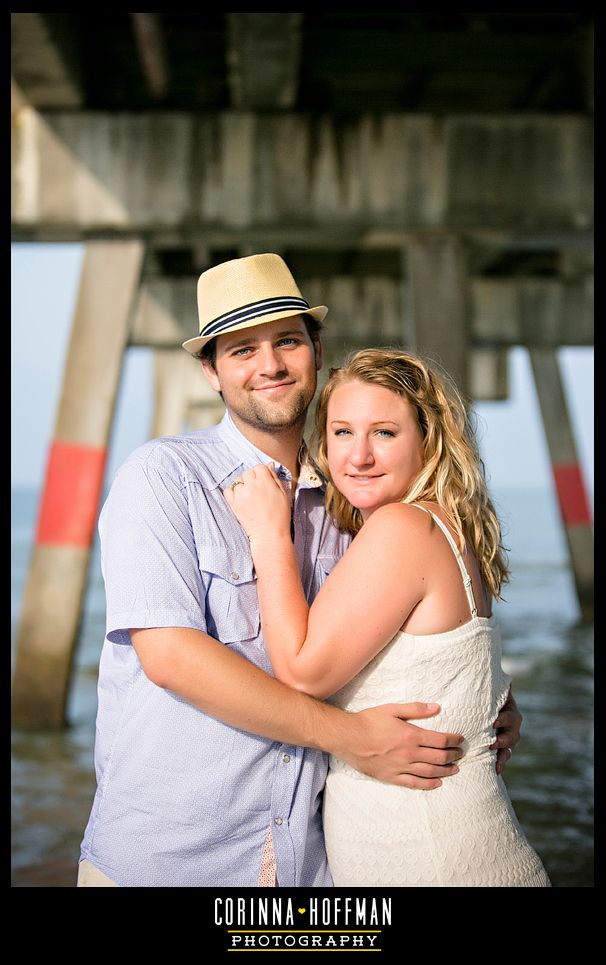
[406,614]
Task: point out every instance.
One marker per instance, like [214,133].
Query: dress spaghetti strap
[465,575]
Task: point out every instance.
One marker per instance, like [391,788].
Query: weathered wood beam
[149,37]
[345,51]
[179,386]
[51,78]
[78,174]
[436,313]
[263,56]
[534,312]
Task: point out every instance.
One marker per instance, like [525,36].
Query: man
[210,771]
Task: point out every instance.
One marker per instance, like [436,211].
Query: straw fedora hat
[245,292]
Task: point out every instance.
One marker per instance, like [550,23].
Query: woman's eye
[386,432]
[341,432]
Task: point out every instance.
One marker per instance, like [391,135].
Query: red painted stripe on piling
[68,512]
[571,494]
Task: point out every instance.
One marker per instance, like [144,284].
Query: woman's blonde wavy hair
[453,472]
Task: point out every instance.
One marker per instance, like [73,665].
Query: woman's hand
[263,508]
[260,503]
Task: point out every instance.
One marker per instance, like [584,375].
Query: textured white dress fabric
[462,834]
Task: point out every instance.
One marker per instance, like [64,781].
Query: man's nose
[271,361]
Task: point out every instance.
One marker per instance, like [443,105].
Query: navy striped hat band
[266,306]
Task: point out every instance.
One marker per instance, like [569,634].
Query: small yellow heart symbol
[301,910]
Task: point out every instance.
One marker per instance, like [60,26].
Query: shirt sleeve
[148,553]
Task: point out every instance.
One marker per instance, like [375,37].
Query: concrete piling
[567,475]
[72,489]
[438,303]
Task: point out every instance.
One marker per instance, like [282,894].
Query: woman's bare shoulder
[401,518]
[404,511]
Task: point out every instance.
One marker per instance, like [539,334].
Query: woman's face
[374,444]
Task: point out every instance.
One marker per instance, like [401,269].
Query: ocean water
[547,650]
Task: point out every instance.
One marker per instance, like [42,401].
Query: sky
[44,288]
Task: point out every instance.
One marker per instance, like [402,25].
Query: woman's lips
[364,478]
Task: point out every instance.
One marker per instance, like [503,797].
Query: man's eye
[242,351]
[288,341]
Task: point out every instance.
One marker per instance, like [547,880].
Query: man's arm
[379,741]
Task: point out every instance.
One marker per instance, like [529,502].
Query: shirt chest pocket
[232,606]
[325,564]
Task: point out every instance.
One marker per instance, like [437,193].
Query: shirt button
[234,575]
[278,821]
[286,758]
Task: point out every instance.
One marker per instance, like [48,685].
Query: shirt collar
[309,474]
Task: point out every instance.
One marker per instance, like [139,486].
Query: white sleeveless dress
[462,834]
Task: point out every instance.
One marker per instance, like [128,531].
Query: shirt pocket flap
[234,568]
[327,561]
[325,564]
[232,605]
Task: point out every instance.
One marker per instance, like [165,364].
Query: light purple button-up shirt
[183,799]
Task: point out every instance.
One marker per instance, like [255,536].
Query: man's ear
[211,375]
[318,352]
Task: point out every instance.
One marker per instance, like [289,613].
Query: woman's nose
[360,453]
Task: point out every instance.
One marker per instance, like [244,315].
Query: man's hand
[507,726]
[392,750]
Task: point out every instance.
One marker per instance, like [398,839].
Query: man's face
[267,374]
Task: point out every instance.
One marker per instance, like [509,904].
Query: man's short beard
[269,417]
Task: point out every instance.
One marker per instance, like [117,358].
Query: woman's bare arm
[321,649]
